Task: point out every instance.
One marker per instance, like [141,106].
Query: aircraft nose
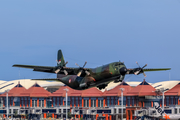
[123,70]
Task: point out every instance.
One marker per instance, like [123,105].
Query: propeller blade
[66,63]
[84,64]
[144,74]
[79,74]
[87,73]
[65,72]
[144,66]
[137,63]
[136,73]
[77,64]
[57,71]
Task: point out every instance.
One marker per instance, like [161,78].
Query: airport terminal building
[37,102]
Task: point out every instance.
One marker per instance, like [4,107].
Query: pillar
[97,116]
[127,115]
[82,102]
[52,101]
[20,101]
[96,102]
[37,102]
[44,115]
[44,102]
[89,102]
[118,101]
[110,117]
[106,116]
[70,101]
[131,115]
[14,103]
[104,102]
[151,103]
[63,102]
[30,102]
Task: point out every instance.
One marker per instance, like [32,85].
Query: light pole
[7,110]
[66,101]
[122,89]
[162,90]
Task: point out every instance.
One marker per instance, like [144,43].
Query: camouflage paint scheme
[89,77]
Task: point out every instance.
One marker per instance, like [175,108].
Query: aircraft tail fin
[159,110]
[60,58]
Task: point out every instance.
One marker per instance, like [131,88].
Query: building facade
[36,102]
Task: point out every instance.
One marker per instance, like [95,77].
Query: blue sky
[96,31]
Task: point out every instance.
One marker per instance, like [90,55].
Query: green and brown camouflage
[83,78]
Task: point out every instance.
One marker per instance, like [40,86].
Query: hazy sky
[96,31]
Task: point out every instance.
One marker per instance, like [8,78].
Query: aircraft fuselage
[98,76]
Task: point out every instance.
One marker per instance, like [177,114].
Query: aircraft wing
[156,69]
[48,79]
[50,69]
[37,68]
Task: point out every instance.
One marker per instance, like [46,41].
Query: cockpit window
[117,64]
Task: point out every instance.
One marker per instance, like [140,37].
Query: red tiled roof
[62,92]
[16,91]
[174,91]
[143,89]
[83,93]
[91,92]
[116,91]
[36,91]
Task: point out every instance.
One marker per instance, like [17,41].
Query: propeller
[82,69]
[139,70]
[59,68]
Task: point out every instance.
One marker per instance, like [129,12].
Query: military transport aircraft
[83,78]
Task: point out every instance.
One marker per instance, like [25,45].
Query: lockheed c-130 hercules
[83,78]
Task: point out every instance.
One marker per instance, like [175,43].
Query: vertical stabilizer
[159,110]
[60,58]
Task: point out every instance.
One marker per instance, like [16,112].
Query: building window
[76,101]
[12,101]
[61,100]
[167,101]
[176,100]
[116,100]
[17,101]
[132,101]
[175,110]
[25,101]
[86,103]
[108,101]
[172,100]
[33,103]
[137,101]
[100,103]
[72,101]
[21,101]
[112,100]
[57,101]
[80,102]
[128,101]
[93,102]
